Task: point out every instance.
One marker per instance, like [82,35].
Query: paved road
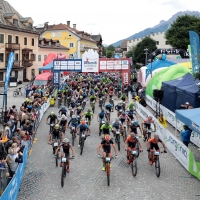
[86,181]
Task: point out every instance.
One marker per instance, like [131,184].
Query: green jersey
[106,127]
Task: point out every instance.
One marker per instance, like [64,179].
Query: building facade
[159,37]
[16,34]
[77,41]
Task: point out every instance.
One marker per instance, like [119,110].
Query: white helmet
[65,140]
[63,116]
[73,116]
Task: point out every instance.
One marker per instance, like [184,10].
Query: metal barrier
[3,180]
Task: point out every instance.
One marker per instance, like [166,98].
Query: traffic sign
[148,71]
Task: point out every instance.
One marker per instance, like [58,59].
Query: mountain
[161,27]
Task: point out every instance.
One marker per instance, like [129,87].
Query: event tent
[190,117]
[47,67]
[170,91]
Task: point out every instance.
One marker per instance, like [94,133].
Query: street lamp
[146,52]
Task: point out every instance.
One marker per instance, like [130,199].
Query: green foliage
[197,75]
[147,42]
[104,51]
[178,34]
[111,48]
[109,54]
[131,51]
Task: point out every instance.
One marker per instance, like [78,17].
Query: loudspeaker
[160,94]
[155,93]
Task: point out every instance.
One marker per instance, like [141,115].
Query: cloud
[178,4]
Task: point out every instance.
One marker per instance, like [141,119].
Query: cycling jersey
[62,111]
[83,127]
[88,114]
[154,144]
[116,124]
[131,142]
[118,106]
[55,134]
[66,149]
[147,123]
[106,145]
[52,118]
[134,128]
[102,115]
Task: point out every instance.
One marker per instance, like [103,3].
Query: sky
[113,19]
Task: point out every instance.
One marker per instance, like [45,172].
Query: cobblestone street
[86,180]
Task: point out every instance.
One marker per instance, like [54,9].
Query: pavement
[86,180]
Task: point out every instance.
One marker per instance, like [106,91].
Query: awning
[47,67]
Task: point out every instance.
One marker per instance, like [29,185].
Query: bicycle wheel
[134,167]
[118,141]
[82,145]
[157,166]
[62,174]
[56,161]
[138,150]
[108,173]
[124,136]
[14,93]
[83,105]
[73,137]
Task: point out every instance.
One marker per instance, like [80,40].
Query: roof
[55,44]
[97,38]
[72,30]
[7,12]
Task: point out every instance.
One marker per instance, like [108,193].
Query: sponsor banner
[56,78]
[90,61]
[176,147]
[195,138]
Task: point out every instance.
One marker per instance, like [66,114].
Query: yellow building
[77,41]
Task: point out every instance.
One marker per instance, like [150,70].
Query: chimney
[68,23]
[74,26]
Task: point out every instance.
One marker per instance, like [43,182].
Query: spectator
[185,106]
[142,93]
[162,120]
[185,135]
[8,131]
[138,87]
[3,137]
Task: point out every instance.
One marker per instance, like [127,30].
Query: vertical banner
[56,78]
[194,45]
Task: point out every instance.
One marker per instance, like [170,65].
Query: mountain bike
[65,164]
[93,106]
[117,138]
[147,134]
[82,141]
[84,103]
[133,162]
[73,134]
[100,103]
[59,102]
[17,92]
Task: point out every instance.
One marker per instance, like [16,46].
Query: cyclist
[56,134]
[63,111]
[130,106]
[124,117]
[83,127]
[117,125]
[66,147]
[92,97]
[53,120]
[131,141]
[63,121]
[146,124]
[124,97]
[133,127]
[88,115]
[79,110]
[73,122]
[118,107]
[153,143]
[79,101]
[109,106]
[106,146]
[106,128]
[59,95]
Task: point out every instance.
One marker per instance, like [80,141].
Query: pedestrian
[185,135]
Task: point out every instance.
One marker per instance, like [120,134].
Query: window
[1,76]
[1,38]
[71,45]
[16,56]
[157,42]
[59,34]
[33,57]
[70,35]
[45,56]
[15,22]
[16,39]
[166,42]
[39,57]
[16,74]
[1,57]
[25,41]
[9,38]
[32,42]
[30,25]
[53,34]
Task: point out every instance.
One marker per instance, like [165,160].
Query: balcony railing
[15,64]
[84,48]
[12,46]
[27,63]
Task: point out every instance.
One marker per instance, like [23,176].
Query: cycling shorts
[63,122]
[154,145]
[55,136]
[73,125]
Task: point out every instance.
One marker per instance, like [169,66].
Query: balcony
[85,48]
[15,64]
[12,46]
[27,63]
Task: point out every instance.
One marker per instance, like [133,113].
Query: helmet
[81,97]
[57,126]
[133,135]
[63,107]
[120,101]
[73,116]
[156,136]
[65,140]
[149,117]
[83,122]
[107,124]
[107,137]
[52,113]
[63,116]
[89,110]
[117,119]
[102,110]
[135,123]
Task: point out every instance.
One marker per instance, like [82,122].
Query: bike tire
[134,167]
[118,141]
[82,145]
[124,136]
[56,161]
[14,94]
[138,150]
[73,137]
[84,105]
[108,173]
[62,175]
[157,167]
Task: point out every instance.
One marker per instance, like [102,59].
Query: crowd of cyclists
[103,92]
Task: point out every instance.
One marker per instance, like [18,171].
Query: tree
[147,42]
[111,48]
[104,49]
[109,54]
[178,34]
[131,51]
